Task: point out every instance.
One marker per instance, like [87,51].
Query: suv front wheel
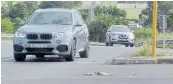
[19,57]
[72,55]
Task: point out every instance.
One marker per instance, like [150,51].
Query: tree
[60,4]
[163,8]
[17,11]
[170,21]
[111,10]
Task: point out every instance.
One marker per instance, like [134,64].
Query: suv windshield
[120,29]
[60,18]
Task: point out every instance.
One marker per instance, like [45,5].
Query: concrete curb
[97,44]
[123,61]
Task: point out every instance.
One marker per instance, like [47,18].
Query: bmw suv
[52,31]
[119,34]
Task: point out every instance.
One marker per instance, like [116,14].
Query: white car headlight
[20,34]
[131,35]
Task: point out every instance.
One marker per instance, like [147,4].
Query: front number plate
[39,45]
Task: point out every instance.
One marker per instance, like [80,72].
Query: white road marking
[6,59]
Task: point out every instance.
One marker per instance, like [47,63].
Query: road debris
[98,74]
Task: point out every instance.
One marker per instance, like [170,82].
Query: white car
[119,34]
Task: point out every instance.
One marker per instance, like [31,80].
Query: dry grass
[167,35]
[146,49]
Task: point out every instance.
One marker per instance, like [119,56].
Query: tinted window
[61,18]
[120,29]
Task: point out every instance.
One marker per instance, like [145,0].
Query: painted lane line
[6,59]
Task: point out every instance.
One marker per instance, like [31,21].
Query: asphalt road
[55,71]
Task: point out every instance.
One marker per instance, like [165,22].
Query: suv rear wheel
[126,45]
[19,57]
[111,44]
[107,44]
[72,55]
[131,45]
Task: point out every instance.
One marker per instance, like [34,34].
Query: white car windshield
[120,29]
[61,18]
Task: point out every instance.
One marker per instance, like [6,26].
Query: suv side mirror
[78,24]
[22,23]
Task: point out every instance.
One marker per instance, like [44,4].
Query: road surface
[55,71]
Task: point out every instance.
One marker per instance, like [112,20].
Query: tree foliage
[7,25]
[163,8]
[14,12]
[170,21]
[105,17]
[60,4]
[111,10]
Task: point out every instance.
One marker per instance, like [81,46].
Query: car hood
[45,28]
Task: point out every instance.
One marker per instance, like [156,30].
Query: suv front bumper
[53,46]
[121,41]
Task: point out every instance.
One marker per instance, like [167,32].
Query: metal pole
[164,27]
[154,28]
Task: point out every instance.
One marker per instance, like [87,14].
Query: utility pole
[164,27]
[154,28]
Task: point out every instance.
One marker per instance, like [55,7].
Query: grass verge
[146,49]
[6,38]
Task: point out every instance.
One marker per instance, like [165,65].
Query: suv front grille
[41,36]
[122,36]
[32,36]
[46,36]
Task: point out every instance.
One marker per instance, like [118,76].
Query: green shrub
[7,25]
[143,33]
[84,16]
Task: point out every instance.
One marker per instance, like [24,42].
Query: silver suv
[52,31]
[119,34]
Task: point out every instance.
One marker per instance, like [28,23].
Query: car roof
[55,10]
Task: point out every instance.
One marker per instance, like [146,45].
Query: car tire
[85,53]
[131,45]
[40,55]
[111,44]
[126,45]
[107,44]
[19,57]
[72,55]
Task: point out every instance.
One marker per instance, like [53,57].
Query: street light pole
[164,27]
[154,28]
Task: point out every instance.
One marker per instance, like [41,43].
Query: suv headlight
[20,34]
[131,35]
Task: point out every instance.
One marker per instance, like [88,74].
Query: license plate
[123,39]
[39,45]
